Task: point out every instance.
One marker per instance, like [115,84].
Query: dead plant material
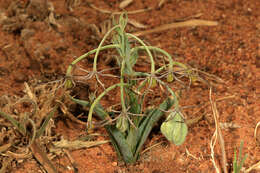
[51,17]
[217,136]
[188,17]
[66,112]
[119,12]
[230,125]
[195,120]
[35,110]
[76,144]
[42,158]
[72,161]
[5,147]
[160,4]
[24,155]
[151,147]
[137,24]
[257,133]
[189,23]
[5,163]
[125,3]
[253,167]
[70,4]
[208,103]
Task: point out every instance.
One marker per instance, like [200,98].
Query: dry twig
[119,12]
[191,23]
[42,158]
[254,167]
[257,137]
[217,136]
[125,3]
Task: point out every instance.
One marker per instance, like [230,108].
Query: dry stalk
[6,162]
[125,3]
[42,158]
[66,112]
[191,23]
[119,12]
[255,133]
[253,167]
[217,136]
[160,4]
[72,161]
[76,144]
[149,148]
[212,145]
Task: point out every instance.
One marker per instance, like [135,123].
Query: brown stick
[42,158]
[193,22]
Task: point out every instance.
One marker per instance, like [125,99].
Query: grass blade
[14,122]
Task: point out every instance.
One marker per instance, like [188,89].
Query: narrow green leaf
[117,138]
[239,161]
[98,108]
[14,122]
[120,144]
[45,123]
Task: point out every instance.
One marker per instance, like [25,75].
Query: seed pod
[68,84]
[174,129]
[152,82]
[122,123]
[170,77]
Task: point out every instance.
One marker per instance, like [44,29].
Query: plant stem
[122,87]
[99,47]
[98,99]
[171,62]
[148,51]
[111,46]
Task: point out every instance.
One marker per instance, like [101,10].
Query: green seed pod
[170,77]
[152,82]
[122,123]
[68,84]
[174,129]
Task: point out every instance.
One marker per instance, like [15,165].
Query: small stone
[114,164]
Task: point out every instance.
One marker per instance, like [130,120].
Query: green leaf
[174,129]
[117,138]
[14,122]
[120,144]
[152,116]
[238,162]
[98,108]
[135,108]
[133,59]
[45,123]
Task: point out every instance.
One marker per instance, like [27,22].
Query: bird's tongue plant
[134,122]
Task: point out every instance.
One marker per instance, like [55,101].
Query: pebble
[114,164]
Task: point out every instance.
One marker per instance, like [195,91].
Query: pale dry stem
[217,136]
